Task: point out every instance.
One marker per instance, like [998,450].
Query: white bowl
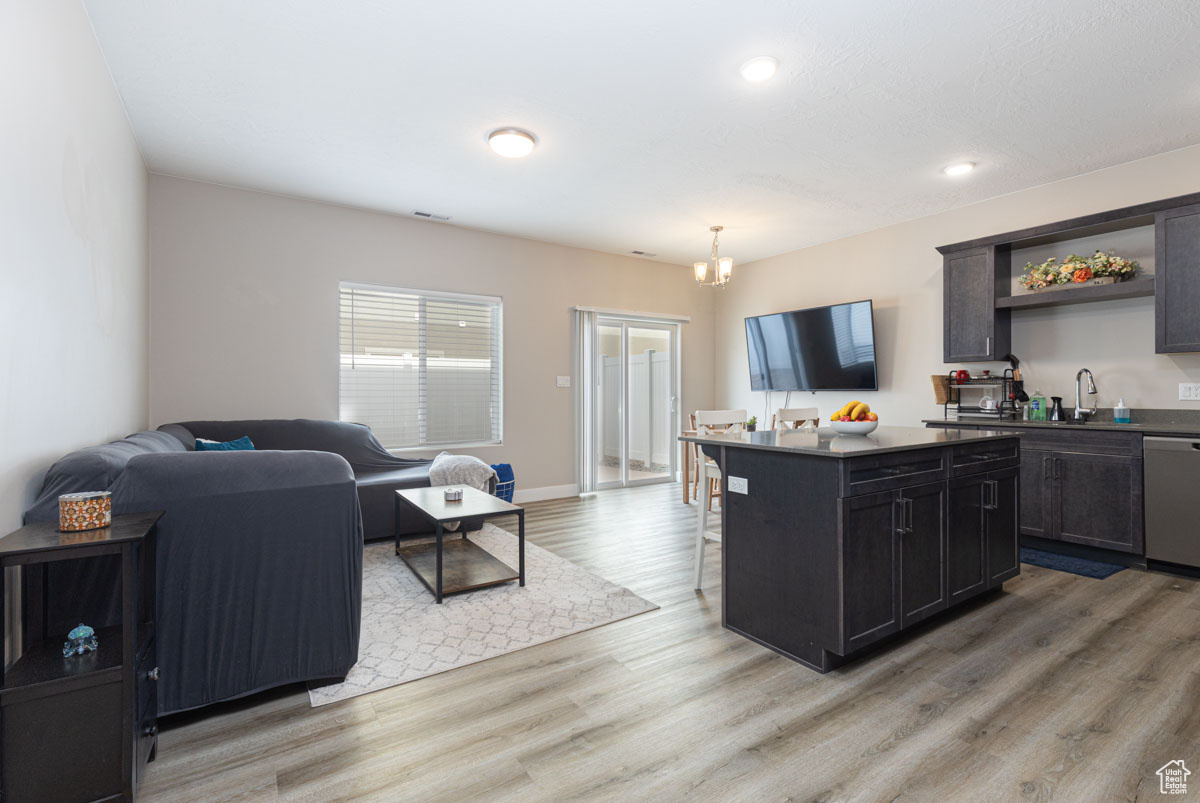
[854,427]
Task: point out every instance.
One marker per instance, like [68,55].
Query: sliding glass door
[634,402]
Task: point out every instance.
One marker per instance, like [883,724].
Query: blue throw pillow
[241,444]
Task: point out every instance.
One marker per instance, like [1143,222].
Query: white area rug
[405,636]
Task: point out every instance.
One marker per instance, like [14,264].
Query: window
[421,369]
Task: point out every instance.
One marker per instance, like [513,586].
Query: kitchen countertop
[827,442]
[1169,429]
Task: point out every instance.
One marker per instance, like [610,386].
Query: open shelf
[1134,288]
[43,663]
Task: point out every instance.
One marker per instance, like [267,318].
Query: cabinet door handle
[988,491]
[1057,468]
[1046,468]
[905,515]
[988,350]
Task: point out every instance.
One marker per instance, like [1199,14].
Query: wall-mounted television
[823,348]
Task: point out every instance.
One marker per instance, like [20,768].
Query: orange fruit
[872,417]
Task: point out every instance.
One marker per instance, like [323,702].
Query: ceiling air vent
[429,215]
[643,254]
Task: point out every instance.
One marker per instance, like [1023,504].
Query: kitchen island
[840,541]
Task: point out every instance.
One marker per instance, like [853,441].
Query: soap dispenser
[1121,412]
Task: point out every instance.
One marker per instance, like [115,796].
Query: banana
[846,410]
[860,409]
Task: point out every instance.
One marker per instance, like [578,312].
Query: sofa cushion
[94,468]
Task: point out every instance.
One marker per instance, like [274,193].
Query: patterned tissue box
[89,510]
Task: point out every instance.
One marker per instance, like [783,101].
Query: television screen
[823,348]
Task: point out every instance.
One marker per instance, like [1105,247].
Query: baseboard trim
[542,494]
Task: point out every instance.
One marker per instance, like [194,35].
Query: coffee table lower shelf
[465,566]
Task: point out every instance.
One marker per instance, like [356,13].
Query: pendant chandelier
[723,266]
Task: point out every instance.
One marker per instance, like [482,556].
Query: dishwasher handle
[1160,444]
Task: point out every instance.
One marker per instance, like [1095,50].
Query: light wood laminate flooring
[1060,687]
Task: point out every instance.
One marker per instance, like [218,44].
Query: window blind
[421,369]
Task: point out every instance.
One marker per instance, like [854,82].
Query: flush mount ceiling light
[723,265]
[759,69]
[512,143]
[958,169]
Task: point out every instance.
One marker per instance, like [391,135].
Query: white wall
[899,268]
[73,263]
[243,322]
[72,249]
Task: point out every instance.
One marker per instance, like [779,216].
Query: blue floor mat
[1066,563]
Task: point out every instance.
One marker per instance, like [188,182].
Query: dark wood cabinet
[922,512]
[1098,500]
[894,557]
[1036,487]
[83,727]
[824,556]
[870,573]
[1003,516]
[973,328]
[979,296]
[982,523]
[966,547]
[1177,280]
[1080,486]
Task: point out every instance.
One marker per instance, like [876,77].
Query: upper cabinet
[980,288]
[973,328]
[1177,288]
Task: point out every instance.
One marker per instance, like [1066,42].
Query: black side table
[84,727]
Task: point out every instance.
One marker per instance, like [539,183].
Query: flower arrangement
[1077,270]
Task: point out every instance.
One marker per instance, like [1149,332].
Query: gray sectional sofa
[259,559]
[377,473]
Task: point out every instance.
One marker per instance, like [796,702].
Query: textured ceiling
[647,133]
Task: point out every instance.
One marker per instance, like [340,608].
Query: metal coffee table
[459,564]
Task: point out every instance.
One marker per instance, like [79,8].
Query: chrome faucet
[1081,413]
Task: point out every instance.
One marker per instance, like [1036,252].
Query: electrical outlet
[739,485]
[1189,391]
[564,381]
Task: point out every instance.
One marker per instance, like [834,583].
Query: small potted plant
[752,424]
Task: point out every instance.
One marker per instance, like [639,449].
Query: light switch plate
[564,381]
[739,485]
[1189,391]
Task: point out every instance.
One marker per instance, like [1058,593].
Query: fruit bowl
[854,427]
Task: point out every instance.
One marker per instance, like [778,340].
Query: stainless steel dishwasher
[1172,509]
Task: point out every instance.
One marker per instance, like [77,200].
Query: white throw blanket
[460,469]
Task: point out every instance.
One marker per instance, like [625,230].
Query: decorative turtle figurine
[80,640]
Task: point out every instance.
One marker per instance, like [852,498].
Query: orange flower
[1082,275]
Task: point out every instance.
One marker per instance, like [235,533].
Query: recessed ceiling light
[960,169]
[759,69]
[512,143]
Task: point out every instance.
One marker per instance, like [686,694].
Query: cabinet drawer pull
[150,730]
[152,674]
[906,525]
[986,456]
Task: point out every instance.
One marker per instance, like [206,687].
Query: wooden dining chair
[795,417]
[709,422]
